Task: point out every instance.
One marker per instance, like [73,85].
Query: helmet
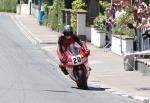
[68,30]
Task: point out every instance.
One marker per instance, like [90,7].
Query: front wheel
[82,80]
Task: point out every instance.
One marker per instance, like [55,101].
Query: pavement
[107,68]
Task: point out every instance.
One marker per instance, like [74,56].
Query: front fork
[88,69]
[71,72]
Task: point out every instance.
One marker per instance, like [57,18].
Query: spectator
[109,23]
[146,22]
[113,10]
[143,16]
[120,11]
[135,10]
[122,3]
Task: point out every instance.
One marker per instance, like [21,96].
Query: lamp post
[30,6]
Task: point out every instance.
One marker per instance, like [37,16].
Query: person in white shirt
[120,11]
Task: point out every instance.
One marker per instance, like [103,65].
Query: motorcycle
[77,64]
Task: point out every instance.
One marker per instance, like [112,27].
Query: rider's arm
[77,39]
[82,44]
[60,45]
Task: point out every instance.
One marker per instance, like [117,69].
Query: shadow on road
[57,91]
[144,89]
[93,88]
[97,89]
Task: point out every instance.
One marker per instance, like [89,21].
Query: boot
[63,69]
[88,67]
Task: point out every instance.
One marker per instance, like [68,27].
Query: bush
[53,15]
[68,4]
[56,19]
[46,14]
[103,5]
[122,25]
[78,4]
[8,5]
[100,21]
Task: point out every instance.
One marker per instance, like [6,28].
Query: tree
[48,2]
[147,1]
[68,4]
[56,13]
[93,9]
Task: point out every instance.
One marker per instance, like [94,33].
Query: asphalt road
[27,76]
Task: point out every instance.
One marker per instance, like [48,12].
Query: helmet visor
[67,33]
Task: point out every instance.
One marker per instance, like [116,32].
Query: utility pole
[20,7]
[30,6]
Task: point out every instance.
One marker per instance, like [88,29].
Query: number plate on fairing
[76,60]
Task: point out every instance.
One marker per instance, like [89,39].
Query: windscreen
[73,49]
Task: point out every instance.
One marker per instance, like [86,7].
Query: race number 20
[76,59]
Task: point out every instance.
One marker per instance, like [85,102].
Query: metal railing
[109,31]
[145,42]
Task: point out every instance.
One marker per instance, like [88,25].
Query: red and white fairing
[77,62]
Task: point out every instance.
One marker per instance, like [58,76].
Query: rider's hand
[86,51]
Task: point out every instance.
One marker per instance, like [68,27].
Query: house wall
[121,46]
[22,9]
[88,33]
[81,17]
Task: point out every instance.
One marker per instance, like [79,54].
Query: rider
[64,40]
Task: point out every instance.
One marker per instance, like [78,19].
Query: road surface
[28,76]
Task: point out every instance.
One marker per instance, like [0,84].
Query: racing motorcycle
[77,64]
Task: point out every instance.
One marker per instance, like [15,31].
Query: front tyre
[82,80]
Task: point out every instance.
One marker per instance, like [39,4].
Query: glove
[84,49]
[87,53]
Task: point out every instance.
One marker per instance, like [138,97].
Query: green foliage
[68,4]
[103,5]
[53,15]
[121,27]
[76,5]
[57,15]
[146,1]
[8,5]
[74,21]
[48,2]
[45,17]
[99,21]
